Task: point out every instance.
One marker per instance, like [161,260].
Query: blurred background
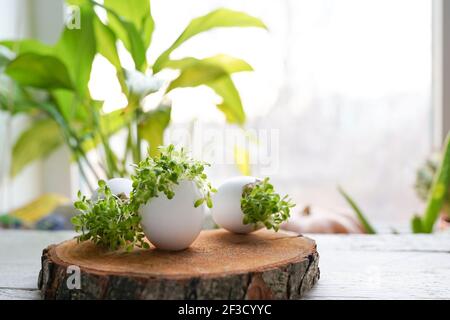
[342,92]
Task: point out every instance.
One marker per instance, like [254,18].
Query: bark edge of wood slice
[218,265]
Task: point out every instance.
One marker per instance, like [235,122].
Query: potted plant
[424,181]
[432,185]
[50,83]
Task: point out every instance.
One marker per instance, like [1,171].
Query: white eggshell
[117,186]
[226,210]
[173,224]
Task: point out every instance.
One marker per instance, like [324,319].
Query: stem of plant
[138,136]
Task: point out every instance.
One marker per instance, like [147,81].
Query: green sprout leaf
[113,221]
[260,204]
[160,174]
[109,221]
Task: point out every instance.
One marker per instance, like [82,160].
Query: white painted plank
[352,266]
[382,275]
[384,242]
[20,255]
[385,266]
[19,294]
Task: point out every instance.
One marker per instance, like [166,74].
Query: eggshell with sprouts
[226,210]
[173,224]
[118,186]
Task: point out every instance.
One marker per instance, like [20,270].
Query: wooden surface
[351,266]
[218,265]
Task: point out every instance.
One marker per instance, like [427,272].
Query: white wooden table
[352,266]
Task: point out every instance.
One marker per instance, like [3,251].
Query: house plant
[432,184]
[51,84]
[424,182]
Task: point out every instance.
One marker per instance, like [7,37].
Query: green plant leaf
[15,98]
[152,127]
[6,56]
[231,104]
[214,73]
[77,49]
[438,191]
[210,73]
[365,223]
[217,18]
[70,107]
[138,12]
[196,74]
[36,142]
[416,225]
[147,28]
[110,123]
[106,43]
[242,160]
[227,63]
[47,72]
[127,32]
[261,205]
[27,45]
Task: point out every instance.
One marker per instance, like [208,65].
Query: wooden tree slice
[218,265]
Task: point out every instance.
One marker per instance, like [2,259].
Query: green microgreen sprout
[108,221]
[161,174]
[260,204]
[114,221]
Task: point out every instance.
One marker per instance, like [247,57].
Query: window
[344,85]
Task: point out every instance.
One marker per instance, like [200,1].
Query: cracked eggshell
[226,210]
[173,224]
[117,187]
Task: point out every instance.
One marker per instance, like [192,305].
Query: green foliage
[213,72]
[113,221]
[27,45]
[152,127]
[425,175]
[228,63]
[437,196]
[359,214]
[127,31]
[31,69]
[37,141]
[77,49]
[137,13]
[416,224]
[109,221]
[106,43]
[160,174]
[217,18]
[437,193]
[61,73]
[196,74]
[261,204]
[6,56]
[231,104]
